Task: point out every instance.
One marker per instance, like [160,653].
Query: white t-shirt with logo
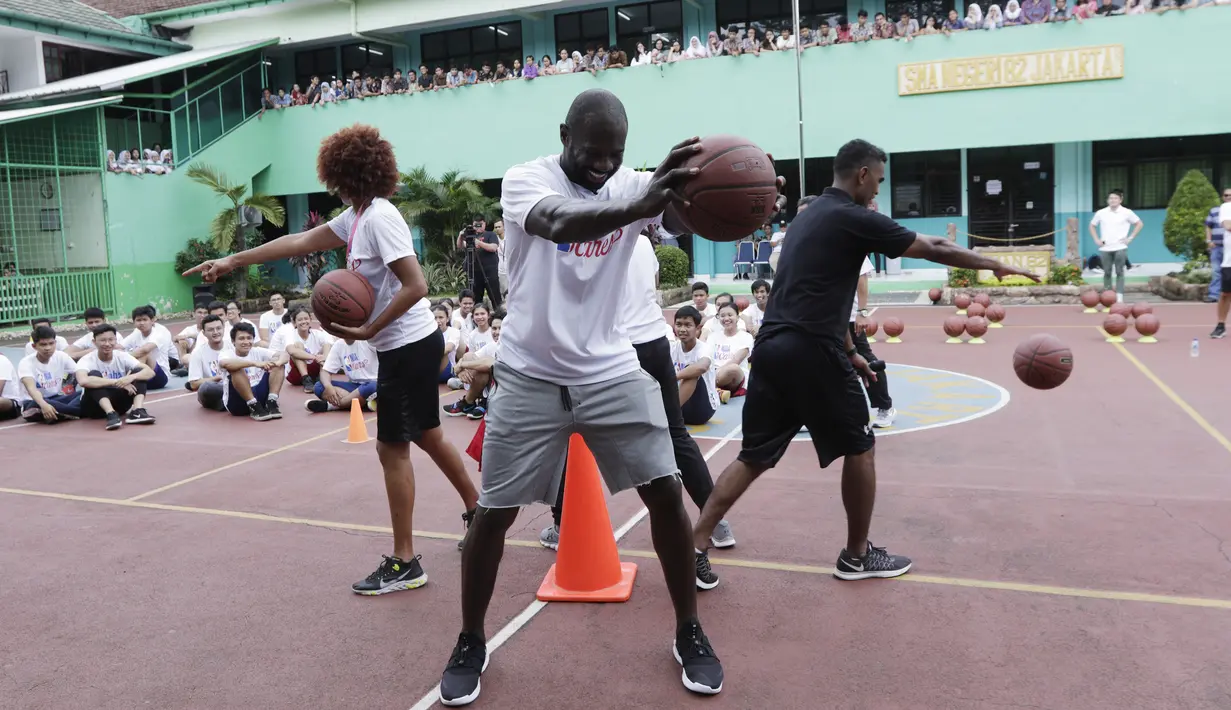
[61,344]
[645,318]
[272,322]
[120,364]
[864,270]
[376,239]
[314,344]
[1115,225]
[1224,215]
[477,339]
[566,325]
[57,376]
[201,342]
[8,375]
[161,337]
[712,325]
[701,350]
[357,359]
[86,342]
[255,355]
[204,362]
[725,346]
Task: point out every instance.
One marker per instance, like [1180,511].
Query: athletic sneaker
[316,406]
[114,421]
[258,412]
[309,385]
[1220,331]
[467,519]
[722,535]
[477,411]
[139,416]
[273,410]
[179,372]
[459,408]
[550,537]
[884,418]
[460,683]
[706,579]
[393,575]
[876,562]
[702,669]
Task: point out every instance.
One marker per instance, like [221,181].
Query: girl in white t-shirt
[307,347]
[453,340]
[712,324]
[355,359]
[731,350]
[482,333]
[474,371]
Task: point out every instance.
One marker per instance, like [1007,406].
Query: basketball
[1115,324]
[1121,309]
[1107,298]
[975,309]
[954,326]
[935,295]
[893,327]
[871,328]
[1140,309]
[1147,324]
[1089,298]
[962,301]
[976,326]
[735,192]
[741,302]
[1043,362]
[996,313]
[983,299]
[343,297]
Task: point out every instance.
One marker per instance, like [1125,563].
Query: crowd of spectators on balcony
[154,160]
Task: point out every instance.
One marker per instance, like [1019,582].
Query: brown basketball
[1043,362]
[935,295]
[1147,324]
[962,301]
[735,192]
[893,327]
[1140,309]
[1121,309]
[343,297]
[996,313]
[1115,324]
[1089,298]
[741,302]
[976,326]
[954,326]
[983,299]
[871,329]
[1107,298]
[976,309]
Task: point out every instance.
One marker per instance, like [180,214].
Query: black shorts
[1226,279]
[797,382]
[407,399]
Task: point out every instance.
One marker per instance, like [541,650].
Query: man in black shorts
[806,320]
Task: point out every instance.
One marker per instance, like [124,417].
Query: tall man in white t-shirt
[1110,230]
[566,365]
[1224,300]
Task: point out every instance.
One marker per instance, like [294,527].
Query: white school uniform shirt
[204,361]
[645,318]
[161,337]
[8,375]
[57,376]
[701,350]
[374,240]
[477,339]
[453,335]
[118,366]
[864,270]
[61,344]
[712,324]
[725,347]
[1114,226]
[357,359]
[1224,215]
[566,325]
[272,322]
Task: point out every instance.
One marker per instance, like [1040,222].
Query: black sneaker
[467,519]
[139,416]
[316,406]
[1220,331]
[459,685]
[258,412]
[179,372]
[273,410]
[876,562]
[706,579]
[309,385]
[458,408]
[114,421]
[393,575]
[702,669]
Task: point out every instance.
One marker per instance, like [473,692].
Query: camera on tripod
[469,235]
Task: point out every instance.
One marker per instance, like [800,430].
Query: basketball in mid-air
[343,297]
[1043,362]
[741,302]
[735,192]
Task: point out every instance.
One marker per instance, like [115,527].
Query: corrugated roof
[68,11]
[128,8]
[25,114]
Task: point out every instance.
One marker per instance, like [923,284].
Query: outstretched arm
[943,251]
[316,239]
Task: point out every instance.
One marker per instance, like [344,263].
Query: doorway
[1011,194]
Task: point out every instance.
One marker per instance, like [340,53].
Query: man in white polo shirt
[1110,229]
[1224,300]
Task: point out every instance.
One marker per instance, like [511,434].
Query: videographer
[482,263]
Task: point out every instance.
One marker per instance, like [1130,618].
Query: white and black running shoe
[702,669]
[459,685]
[706,579]
[393,575]
[875,563]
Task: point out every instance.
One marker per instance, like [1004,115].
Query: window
[578,30]
[919,10]
[775,15]
[472,46]
[926,184]
[367,58]
[321,62]
[64,62]
[649,22]
[1148,170]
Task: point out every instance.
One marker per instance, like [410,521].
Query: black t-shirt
[489,259]
[818,269]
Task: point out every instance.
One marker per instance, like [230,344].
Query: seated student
[357,360]
[693,368]
[217,308]
[94,317]
[234,316]
[755,312]
[712,324]
[307,347]
[461,315]
[271,320]
[10,390]
[731,348]
[61,343]
[701,298]
[187,338]
[453,339]
[204,372]
[49,377]
[113,382]
[150,343]
[474,371]
[254,376]
[481,334]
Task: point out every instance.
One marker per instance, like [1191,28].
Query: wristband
[852,351]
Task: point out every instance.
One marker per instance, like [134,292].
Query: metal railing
[55,295]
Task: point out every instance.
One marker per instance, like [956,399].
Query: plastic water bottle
[1196,347]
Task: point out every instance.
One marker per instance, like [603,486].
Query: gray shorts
[529,423]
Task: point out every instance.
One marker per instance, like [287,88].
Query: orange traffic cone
[358,433]
[588,567]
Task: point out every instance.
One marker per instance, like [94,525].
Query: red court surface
[1072,551]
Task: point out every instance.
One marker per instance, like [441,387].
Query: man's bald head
[595,106]
[593,136]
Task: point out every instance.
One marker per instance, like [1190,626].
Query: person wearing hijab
[1013,14]
[974,17]
[714,45]
[112,164]
[578,63]
[994,20]
[696,50]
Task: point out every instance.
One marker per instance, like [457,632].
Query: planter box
[1034,295]
[670,296]
[1173,289]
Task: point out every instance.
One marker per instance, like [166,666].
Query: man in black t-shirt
[806,321]
[484,272]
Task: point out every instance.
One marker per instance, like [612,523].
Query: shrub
[672,266]
[963,278]
[445,277]
[1063,274]
[1184,227]
[198,251]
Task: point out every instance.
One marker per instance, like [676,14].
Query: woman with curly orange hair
[359,166]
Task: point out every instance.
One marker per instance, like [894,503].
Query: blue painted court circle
[926,398]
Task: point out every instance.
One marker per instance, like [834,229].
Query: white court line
[149,399]
[519,621]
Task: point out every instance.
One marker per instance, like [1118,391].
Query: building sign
[1059,66]
[1036,260]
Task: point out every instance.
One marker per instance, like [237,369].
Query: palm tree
[441,208]
[226,231]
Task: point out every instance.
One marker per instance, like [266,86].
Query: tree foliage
[225,232]
[1184,226]
[441,207]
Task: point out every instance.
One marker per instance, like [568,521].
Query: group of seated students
[471,332]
